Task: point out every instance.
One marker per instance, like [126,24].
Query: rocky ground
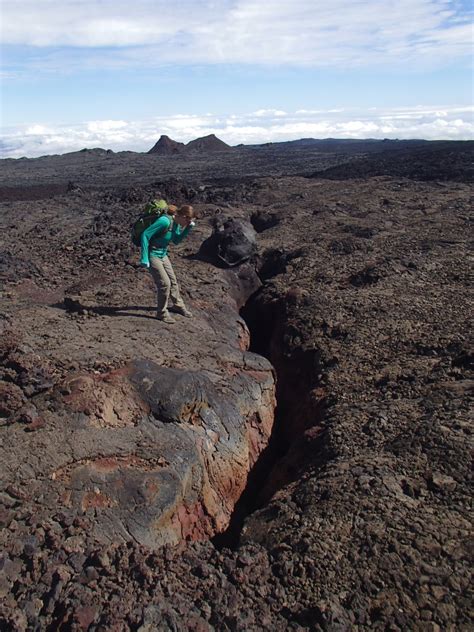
[297,455]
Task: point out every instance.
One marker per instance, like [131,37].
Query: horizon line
[244,145]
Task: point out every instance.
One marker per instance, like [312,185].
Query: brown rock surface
[144,436]
[165,146]
[208,143]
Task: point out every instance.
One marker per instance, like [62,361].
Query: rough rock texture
[165,146]
[232,242]
[208,143]
[23,179]
[158,453]
[441,161]
[358,508]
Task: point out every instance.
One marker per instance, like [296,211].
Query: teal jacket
[156,238]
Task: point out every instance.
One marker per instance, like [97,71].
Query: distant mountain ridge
[212,145]
[167,146]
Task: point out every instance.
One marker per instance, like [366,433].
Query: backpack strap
[162,232]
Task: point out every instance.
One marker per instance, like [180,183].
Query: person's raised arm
[177,237]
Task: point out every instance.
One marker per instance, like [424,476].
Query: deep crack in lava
[297,374]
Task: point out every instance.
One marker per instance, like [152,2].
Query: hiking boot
[166,318]
[181,310]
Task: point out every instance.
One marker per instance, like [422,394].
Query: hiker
[154,255]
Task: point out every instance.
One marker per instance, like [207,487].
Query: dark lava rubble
[295,457]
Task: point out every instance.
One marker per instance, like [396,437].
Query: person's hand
[144,265]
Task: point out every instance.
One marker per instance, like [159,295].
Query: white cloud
[181,123]
[105,127]
[268,113]
[438,122]
[343,33]
[334,110]
[37,130]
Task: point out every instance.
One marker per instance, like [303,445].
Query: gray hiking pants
[166,284]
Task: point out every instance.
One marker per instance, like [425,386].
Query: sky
[117,74]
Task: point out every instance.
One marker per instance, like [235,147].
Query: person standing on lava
[155,241]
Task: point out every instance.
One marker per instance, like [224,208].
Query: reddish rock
[11,399]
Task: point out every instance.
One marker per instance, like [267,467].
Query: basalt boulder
[232,242]
[160,454]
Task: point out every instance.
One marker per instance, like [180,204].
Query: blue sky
[116,74]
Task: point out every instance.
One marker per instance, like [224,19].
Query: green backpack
[152,211]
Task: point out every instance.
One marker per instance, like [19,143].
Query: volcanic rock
[442,161]
[140,485]
[160,454]
[262,220]
[166,146]
[208,143]
[232,242]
